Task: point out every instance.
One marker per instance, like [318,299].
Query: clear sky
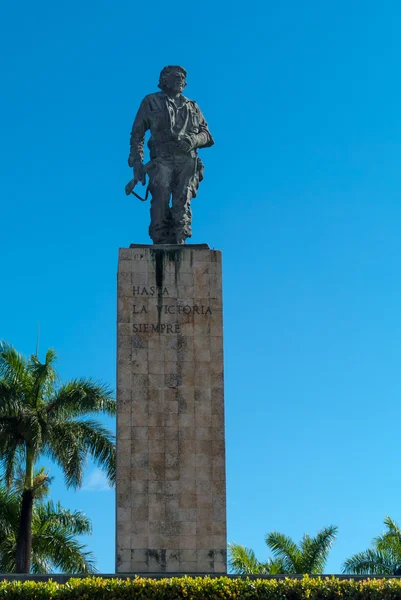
[302,195]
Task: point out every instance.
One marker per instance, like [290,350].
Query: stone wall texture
[171,488]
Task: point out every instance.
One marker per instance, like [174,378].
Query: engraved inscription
[186,309]
[140,290]
[156,328]
[162,309]
[138,311]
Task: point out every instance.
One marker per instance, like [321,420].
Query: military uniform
[172,171]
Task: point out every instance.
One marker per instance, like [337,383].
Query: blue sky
[302,195]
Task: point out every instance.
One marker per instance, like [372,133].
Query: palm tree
[309,556]
[54,528]
[383,559]
[39,416]
[244,562]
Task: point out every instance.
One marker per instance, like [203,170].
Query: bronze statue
[177,129]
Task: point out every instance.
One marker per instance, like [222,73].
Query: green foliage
[204,588]
[243,561]
[40,416]
[383,559]
[309,556]
[54,531]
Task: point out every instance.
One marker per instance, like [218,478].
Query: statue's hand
[139,173]
[131,161]
[183,146]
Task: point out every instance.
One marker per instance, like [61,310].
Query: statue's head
[173,78]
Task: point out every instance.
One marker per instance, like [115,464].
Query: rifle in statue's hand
[129,188]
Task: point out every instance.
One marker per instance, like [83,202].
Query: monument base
[171,492]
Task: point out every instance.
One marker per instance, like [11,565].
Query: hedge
[202,588]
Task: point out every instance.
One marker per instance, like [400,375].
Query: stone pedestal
[171,489]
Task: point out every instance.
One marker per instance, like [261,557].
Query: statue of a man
[177,129]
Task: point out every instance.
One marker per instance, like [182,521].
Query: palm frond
[12,445]
[243,561]
[67,450]
[9,425]
[13,367]
[10,461]
[37,416]
[81,397]
[73,441]
[54,545]
[390,540]
[11,402]
[9,512]
[22,426]
[100,443]
[285,549]
[7,554]
[392,526]
[54,540]
[29,430]
[44,375]
[274,566]
[76,522]
[40,565]
[371,562]
[315,550]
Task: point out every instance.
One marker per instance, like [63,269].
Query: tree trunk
[24,539]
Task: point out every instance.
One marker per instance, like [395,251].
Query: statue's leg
[160,183]
[186,182]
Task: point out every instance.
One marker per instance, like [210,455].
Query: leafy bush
[204,588]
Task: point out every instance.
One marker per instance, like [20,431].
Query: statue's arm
[203,138]
[137,140]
